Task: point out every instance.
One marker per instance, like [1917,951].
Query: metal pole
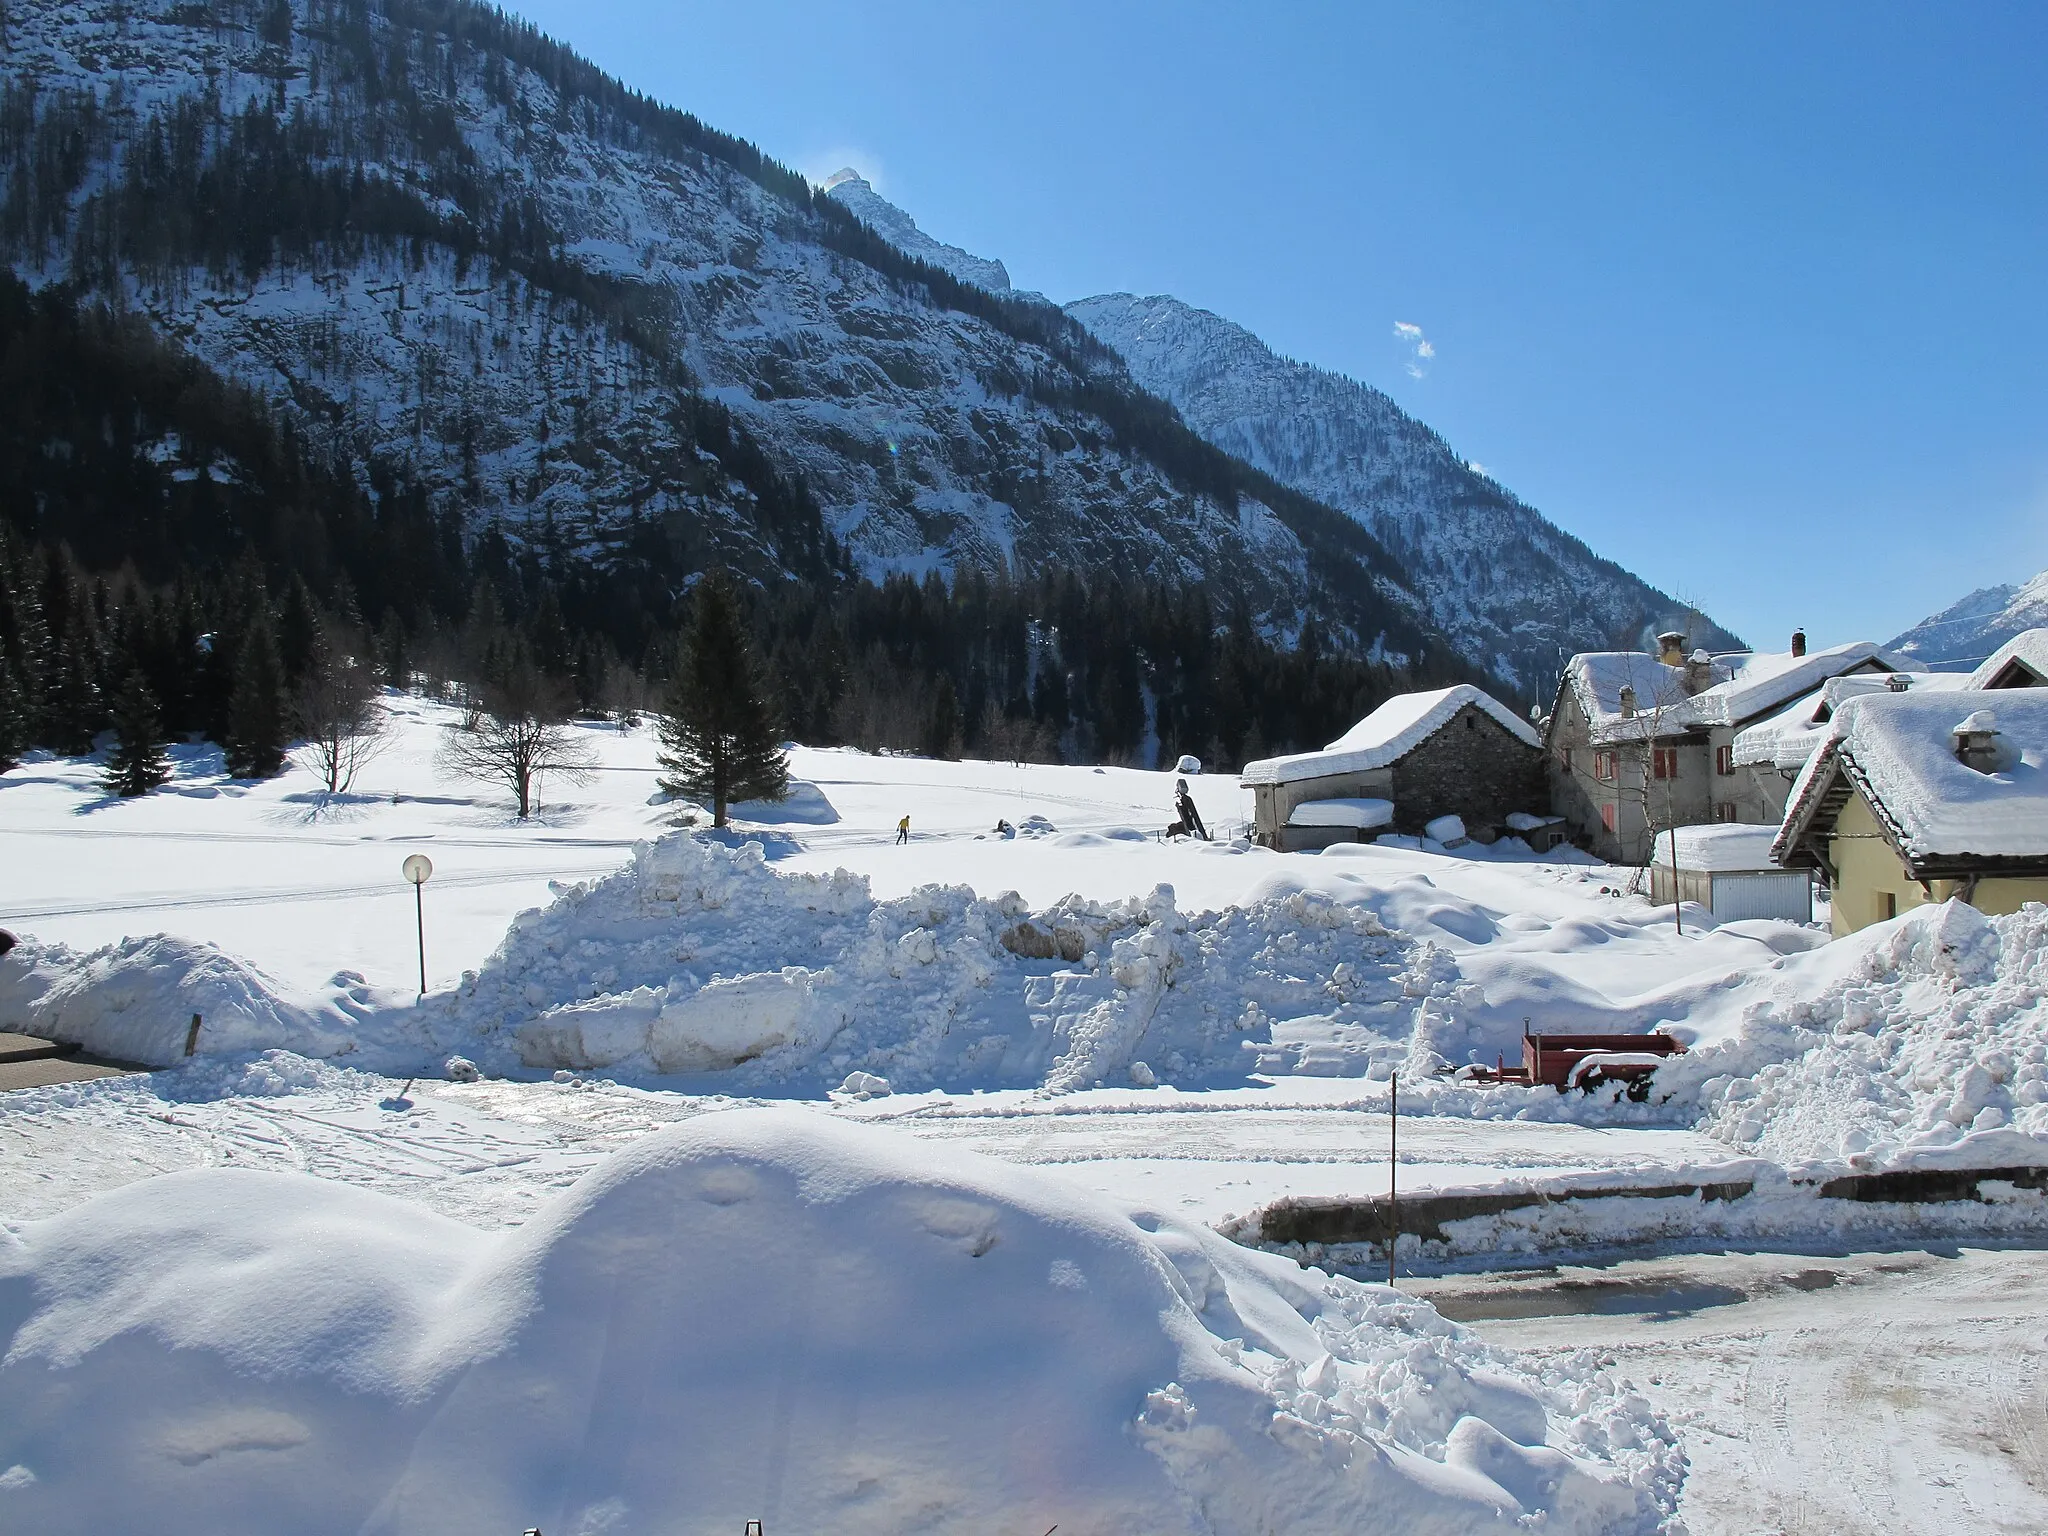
[419,902]
[1393,1174]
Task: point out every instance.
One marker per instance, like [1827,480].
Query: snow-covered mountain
[1512,589]
[857,196]
[475,269]
[454,253]
[1965,632]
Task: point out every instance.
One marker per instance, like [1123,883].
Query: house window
[1564,758]
[1606,767]
[1607,816]
[1887,905]
[1664,762]
[1724,761]
[1471,722]
[1724,810]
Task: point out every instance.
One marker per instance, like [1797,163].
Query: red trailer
[1587,1061]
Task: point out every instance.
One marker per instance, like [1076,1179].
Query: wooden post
[1393,1173]
[192,1036]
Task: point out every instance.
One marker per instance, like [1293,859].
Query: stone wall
[1471,767]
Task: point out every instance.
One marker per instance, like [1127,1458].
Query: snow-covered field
[1167,1034]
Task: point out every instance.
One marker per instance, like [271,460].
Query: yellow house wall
[1866,867]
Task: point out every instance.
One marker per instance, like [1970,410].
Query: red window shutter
[1724,760]
[1607,817]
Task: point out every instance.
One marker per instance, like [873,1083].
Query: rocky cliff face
[454,253]
[1514,591]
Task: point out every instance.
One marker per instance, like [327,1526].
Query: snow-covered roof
[1791,736]
[1899,749]
[1738,687]
[1767,679]
[2028,648]
[1719,848]
[1388,734]
[1359,813]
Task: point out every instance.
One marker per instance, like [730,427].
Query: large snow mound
[1924,1041]
[760,1314]
[701,957]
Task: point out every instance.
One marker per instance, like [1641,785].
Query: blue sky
[1754,301]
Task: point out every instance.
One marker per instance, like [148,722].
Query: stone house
[1637,742]
[1449,752]
[1918,798]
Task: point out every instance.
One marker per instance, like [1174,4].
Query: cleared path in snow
[1851,1395]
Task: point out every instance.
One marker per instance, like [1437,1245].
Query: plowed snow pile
[761,1315]
[1929,1046]
[700,957]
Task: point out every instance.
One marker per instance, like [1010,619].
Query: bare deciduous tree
[520,737]
[338,712]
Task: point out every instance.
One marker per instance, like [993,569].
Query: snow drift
[1924,1041]
[761,1315]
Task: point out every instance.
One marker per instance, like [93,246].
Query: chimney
[1898,682]
[1977,742]
[1699,673]
[1798,642]
[1628,701]
[1671,649]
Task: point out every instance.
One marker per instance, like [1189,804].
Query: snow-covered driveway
[1861,1395]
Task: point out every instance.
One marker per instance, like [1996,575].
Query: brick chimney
[1977,742]
[1699,673]
[1671,649]
[1798,642]
[1627,700]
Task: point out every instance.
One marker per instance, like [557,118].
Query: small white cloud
[1418,347]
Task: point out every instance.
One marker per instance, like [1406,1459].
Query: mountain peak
[857,196]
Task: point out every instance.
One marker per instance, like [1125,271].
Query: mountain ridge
[441,241]
[1971,628]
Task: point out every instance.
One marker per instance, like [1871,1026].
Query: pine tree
[942,736]
[256,711]
[14,737]
[137,763]
[717,738]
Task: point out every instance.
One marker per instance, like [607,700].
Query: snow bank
[135,1001]
[762,1315]
[1927,1043]
[700,957]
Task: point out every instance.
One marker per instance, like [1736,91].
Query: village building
[1636,742]
[2022,662]
[1923,797]
[1726,868]
[1781,744]
[1420,756]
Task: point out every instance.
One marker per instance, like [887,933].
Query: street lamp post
[419,869]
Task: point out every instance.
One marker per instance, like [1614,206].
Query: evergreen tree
[137,763]
[256,711]
[942,737]
[717,738]
[73,709]
[14,737]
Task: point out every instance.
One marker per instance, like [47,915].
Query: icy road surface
[1861,1395]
